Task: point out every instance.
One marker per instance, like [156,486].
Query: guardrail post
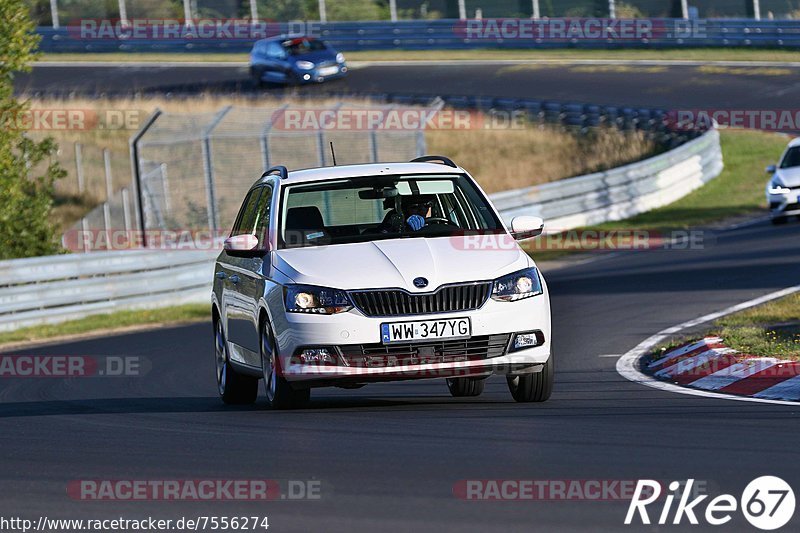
[536,13]
[79,167]
[54,14]
[462,10]
[253,11]
[685,9]
[757,9]
[123,13]
[208,168]
[393,10]
[612,9]
[136,172]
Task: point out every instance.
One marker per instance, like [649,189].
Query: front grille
[397,302]
[404,354]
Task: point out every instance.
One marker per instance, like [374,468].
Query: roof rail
[279,170]
[442,160]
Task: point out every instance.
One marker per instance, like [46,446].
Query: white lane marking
[785,390]
[732,374]
[611,355]
[627,364]
[751,222]
[141,64]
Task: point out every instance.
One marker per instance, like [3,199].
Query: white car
[783,189]
[347,275]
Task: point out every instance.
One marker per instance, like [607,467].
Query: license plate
[328,71]
[445,328]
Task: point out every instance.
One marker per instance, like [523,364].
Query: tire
[777,221]
[462,387]
[535,387]
[234,388]
[280,394]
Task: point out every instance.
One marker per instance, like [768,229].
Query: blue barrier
[454,34]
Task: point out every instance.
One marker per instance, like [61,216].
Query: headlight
[317,300]
[776,187]
[516,286]
[340,57]
[305,65]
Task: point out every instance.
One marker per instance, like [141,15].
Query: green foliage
[26,196]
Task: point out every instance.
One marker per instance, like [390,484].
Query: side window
[275,51]
[263,215]
[245,221]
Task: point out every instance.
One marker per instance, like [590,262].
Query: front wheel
[461,387]
[535,387]
[280,394]
[234,388]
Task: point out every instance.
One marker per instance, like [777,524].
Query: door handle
[220,275]
[234,279]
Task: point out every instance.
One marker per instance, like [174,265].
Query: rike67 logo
[767,503]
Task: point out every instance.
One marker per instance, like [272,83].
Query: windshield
[792,158]
[382,207]
[303,46]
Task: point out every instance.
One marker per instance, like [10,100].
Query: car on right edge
[783,189]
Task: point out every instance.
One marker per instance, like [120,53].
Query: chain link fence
[194,168]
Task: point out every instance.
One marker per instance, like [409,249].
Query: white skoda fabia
[348,275]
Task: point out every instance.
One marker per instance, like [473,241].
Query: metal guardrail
[57,288]
[450,34]
[53,289]
[618,193]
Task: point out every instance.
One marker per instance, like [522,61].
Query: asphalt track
[652,85]
[388,456]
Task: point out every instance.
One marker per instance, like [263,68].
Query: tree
[26,196]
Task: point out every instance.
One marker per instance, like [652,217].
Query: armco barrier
[66,287]
[57,288]
[450,34]
[618,193]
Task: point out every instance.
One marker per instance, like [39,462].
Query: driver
[417,209]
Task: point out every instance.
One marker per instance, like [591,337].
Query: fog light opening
[317,356]
[529,339]
[306,77]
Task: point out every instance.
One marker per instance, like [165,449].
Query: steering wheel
[441,220]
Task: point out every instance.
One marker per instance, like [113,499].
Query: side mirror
[770,169]
[243,246]
[526,227]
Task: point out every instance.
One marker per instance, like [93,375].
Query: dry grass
[509,159]
[499,158]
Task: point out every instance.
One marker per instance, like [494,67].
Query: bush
[26,197]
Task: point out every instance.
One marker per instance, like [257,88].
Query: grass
[182,314]
[691,54]
[769,330]
[737,191]
[522,155]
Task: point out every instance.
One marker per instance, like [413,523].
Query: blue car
[295,60]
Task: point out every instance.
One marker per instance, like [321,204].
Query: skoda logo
[420,283]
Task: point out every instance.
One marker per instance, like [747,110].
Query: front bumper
[320,74]
[344,332]
[784,204]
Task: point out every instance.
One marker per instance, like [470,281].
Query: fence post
[265,137]
[54,14]
[323,14]
[165,185]
[462,10]
[757,9]
[393,10]
[685,9]
[109,191]
[536,13]
[187,13]
[79,167]
[136,172]
[123,13]
[208,169]
[86,247]
[253,11]
[612,9]
[126,210]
